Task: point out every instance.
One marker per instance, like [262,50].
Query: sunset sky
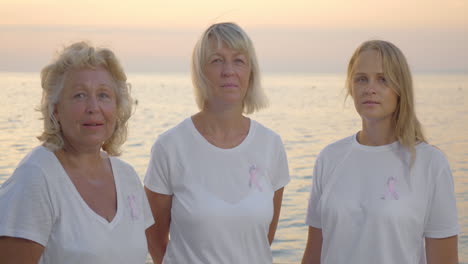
[289,36]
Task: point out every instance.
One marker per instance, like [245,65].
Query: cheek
[64,114]
[395,105]
[394,100]
[247,74]
[356,104]
[247,79]
[210,73]
[353,90]
[352,94]
[111,112]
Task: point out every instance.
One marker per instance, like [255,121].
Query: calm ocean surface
[308,111]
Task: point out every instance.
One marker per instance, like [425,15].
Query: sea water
[309,111]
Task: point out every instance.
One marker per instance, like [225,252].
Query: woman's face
[87,108]
[374,99]
[228,74]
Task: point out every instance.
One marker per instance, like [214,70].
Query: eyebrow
[363,73]
[82,86]
[236,53]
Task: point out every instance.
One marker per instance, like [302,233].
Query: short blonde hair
[408,129]
[235,38]
[78,56]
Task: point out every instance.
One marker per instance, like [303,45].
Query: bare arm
[158,234]
[277,200]
[442,250]
[18,250]
[313,249]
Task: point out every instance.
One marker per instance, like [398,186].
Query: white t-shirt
[373,209]
[39,202]
[222,202]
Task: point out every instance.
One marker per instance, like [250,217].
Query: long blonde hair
[408,129]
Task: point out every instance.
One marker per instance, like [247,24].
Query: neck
[221,122]
[377,133]
[72,148]
[222,130]
[73,158]
[226,110]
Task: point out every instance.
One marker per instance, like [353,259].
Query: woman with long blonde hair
[382,195]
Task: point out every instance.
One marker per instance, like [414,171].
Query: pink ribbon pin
[253,177]
[133,210]
[391,192]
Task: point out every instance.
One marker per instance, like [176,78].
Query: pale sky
[292,35]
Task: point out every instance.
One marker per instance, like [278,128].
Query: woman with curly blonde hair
[71,200]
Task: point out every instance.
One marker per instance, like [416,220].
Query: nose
[92,105]
[371,87]
[228,69]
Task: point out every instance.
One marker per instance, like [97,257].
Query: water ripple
[307,120]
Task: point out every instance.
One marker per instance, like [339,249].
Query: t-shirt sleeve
[280,170]
[147,214]
[313,217]
[148,219]
[25,206]
[157,177]
[441,219]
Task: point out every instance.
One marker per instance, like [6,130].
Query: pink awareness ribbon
[391,182]
[133,210]
[253,177]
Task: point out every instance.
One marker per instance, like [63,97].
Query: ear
[56,113]
[350,91]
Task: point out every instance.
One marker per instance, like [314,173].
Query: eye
[79,95]
[239,61]
[216,60]
[104,95]
[360,79]
[382,80]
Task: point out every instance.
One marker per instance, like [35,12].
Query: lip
[229,85]
[92,124]
[370,102]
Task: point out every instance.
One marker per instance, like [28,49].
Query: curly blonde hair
[78,56]
[408,129]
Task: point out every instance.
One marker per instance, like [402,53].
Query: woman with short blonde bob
[71,200]
[215,181]
[383,195]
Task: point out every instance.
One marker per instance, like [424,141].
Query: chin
[376,117]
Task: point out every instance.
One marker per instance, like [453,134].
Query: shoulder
[177,130]
[265,132]
[120,164]
[40,161]
[176,133]
[35,171]
[430,154]
[428,151]
[337,148]
[125,172]
[40,157]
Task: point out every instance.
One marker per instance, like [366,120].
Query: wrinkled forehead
[89,75]
[95,72]
[217,42]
